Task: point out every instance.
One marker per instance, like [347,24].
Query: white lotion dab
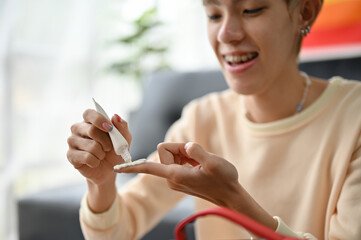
[123,165]
[120,145]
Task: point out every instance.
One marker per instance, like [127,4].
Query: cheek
[275,39]
[288,37]
[212,37]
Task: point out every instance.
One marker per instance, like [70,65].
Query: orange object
[339,23]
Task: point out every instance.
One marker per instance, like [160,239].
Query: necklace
[299,107]
[308,83]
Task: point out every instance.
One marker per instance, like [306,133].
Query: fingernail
[107,126]
[119,119]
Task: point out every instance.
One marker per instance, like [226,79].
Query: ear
[309,10]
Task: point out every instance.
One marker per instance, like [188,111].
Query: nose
[231,31]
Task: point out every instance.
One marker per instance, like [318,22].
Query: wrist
[241,201]
[237,199]
[103,184]
[101,196]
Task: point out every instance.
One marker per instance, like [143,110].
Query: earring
[305,31]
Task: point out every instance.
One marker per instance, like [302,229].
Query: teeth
[240,58]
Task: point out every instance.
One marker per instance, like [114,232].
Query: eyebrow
[208,2]
[216,2]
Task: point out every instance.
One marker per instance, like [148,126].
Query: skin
[272,87]
[274,33]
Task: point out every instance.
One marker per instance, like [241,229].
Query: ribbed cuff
[282,228]
[100,221]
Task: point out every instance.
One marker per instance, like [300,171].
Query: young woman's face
[255,41]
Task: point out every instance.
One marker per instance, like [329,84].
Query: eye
[214,17]
[253,11]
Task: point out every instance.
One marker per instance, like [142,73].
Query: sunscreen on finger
[124,165]
[120,144]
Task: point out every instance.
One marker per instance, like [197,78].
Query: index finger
[153,168]
[97,119]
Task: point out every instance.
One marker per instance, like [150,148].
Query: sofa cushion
[164,96]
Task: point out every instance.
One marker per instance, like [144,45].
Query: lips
[239,62]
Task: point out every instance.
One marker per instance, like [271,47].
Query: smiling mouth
[239,59]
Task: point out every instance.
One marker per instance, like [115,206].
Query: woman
[279,146]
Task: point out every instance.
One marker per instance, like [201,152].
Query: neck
[279,100]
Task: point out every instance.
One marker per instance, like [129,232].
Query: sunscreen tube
[120,145]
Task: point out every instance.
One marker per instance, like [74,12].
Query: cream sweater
[306,169]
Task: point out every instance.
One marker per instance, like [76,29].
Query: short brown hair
[291,4]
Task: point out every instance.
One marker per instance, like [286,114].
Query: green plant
[146,50]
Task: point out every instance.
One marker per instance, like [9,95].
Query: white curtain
[51,58]
[47,51]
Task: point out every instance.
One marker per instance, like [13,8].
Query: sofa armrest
[51,214]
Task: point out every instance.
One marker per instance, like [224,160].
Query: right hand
[90,149]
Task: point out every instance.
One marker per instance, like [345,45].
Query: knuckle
[192,148]
[160,146]
[107,146]
[88,157]
[97,149]
[72,160]
[70,141]
[69,156]
[74,127]
[90,160]
[92,132]
[86,113]
[93,146]
[102,155]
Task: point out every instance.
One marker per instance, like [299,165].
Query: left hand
[190,169]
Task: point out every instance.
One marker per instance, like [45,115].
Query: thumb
[122,126]
[196,152]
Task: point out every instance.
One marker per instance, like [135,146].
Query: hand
[189,169]
[90,148]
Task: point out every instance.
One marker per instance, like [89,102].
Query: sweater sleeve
[283,229]
[345,222]
[101,225]
[139,206]
[142,203]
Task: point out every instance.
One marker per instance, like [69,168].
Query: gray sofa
[53,213]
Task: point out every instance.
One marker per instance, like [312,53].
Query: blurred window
[52,59]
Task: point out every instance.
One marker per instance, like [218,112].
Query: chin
[243,86]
